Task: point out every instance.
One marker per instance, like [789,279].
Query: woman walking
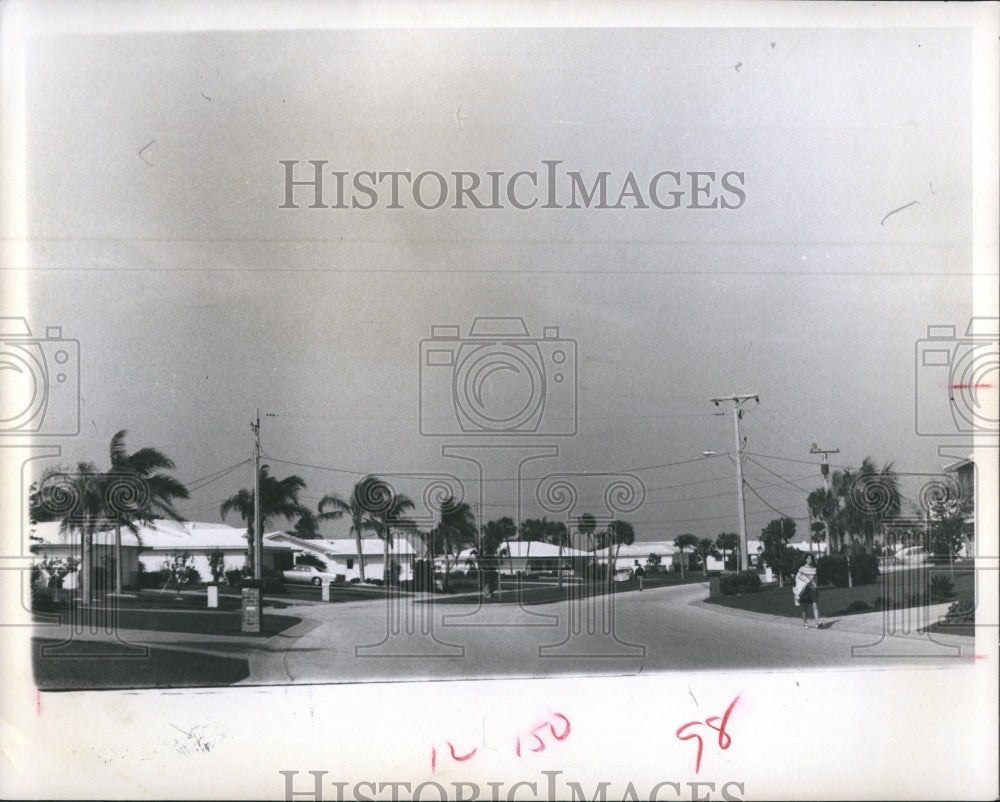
[805,591]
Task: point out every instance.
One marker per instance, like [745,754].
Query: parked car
[623,575]
[913,555]
[308,575]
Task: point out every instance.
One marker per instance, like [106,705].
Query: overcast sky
[157,241]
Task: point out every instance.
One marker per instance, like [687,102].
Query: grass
[166,612]
[95,665]
[900,587]
[539,589]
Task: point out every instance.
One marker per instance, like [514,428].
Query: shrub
[736,584]
[864,569]
[858,606]
[234,576]
[378,582]
[941,588]
[217,564]
[355,580]
[831,570]
[310,559]
[962,611]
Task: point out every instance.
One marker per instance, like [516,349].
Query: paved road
[662,629]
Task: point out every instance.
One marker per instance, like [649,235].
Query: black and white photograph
[475,401]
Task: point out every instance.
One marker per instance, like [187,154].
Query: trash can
[714,587]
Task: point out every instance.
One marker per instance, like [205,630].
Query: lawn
[95,665]
[900,587]
[165,612]
[541,589]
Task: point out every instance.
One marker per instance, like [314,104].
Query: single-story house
[755,547]
[523,557]
[154,545]
[641,550]
[340,555]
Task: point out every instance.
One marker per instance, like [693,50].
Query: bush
[151,579]
[961,612]
[310,559]
[378,582]
[858,606]
[831,570]
[864,569]
[355,580]
[234,576]
[736,584]
[941,588]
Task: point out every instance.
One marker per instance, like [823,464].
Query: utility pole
[258,541]
[824,469]
[738,401]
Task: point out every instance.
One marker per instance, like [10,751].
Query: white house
[154,545]
[340,555]
[641,550]
[525,557]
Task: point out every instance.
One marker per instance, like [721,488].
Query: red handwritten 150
[725,740]
[555,728]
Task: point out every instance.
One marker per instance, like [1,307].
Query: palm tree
[385,509]
[869,496]
[705,548]
[686,541]
[332,507]
[145,491]
[727,541]
[278,497]
[456,529]
[76,500]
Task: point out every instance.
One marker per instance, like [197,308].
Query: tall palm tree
[456,530]
[76,500]
[145,491]
[278,497]
[386,509]
[332,507]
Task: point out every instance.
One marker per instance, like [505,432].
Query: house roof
[346,547]
[640,550]
[165,535]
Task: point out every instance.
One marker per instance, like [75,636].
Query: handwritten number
[725,739]
[565,733]
[697,762]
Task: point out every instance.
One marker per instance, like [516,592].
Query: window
[350,563]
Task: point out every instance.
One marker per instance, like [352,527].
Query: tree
[686,541]
[618,533]
[217,564]
[727,541]
[705,548]
[332,507]
[76,501]
[775,537]
[145,491]
[307,526]
[948,522]
[866,497]
[455,532]
[385,509]
[278,498]
[824,509]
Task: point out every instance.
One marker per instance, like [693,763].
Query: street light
[743,563]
